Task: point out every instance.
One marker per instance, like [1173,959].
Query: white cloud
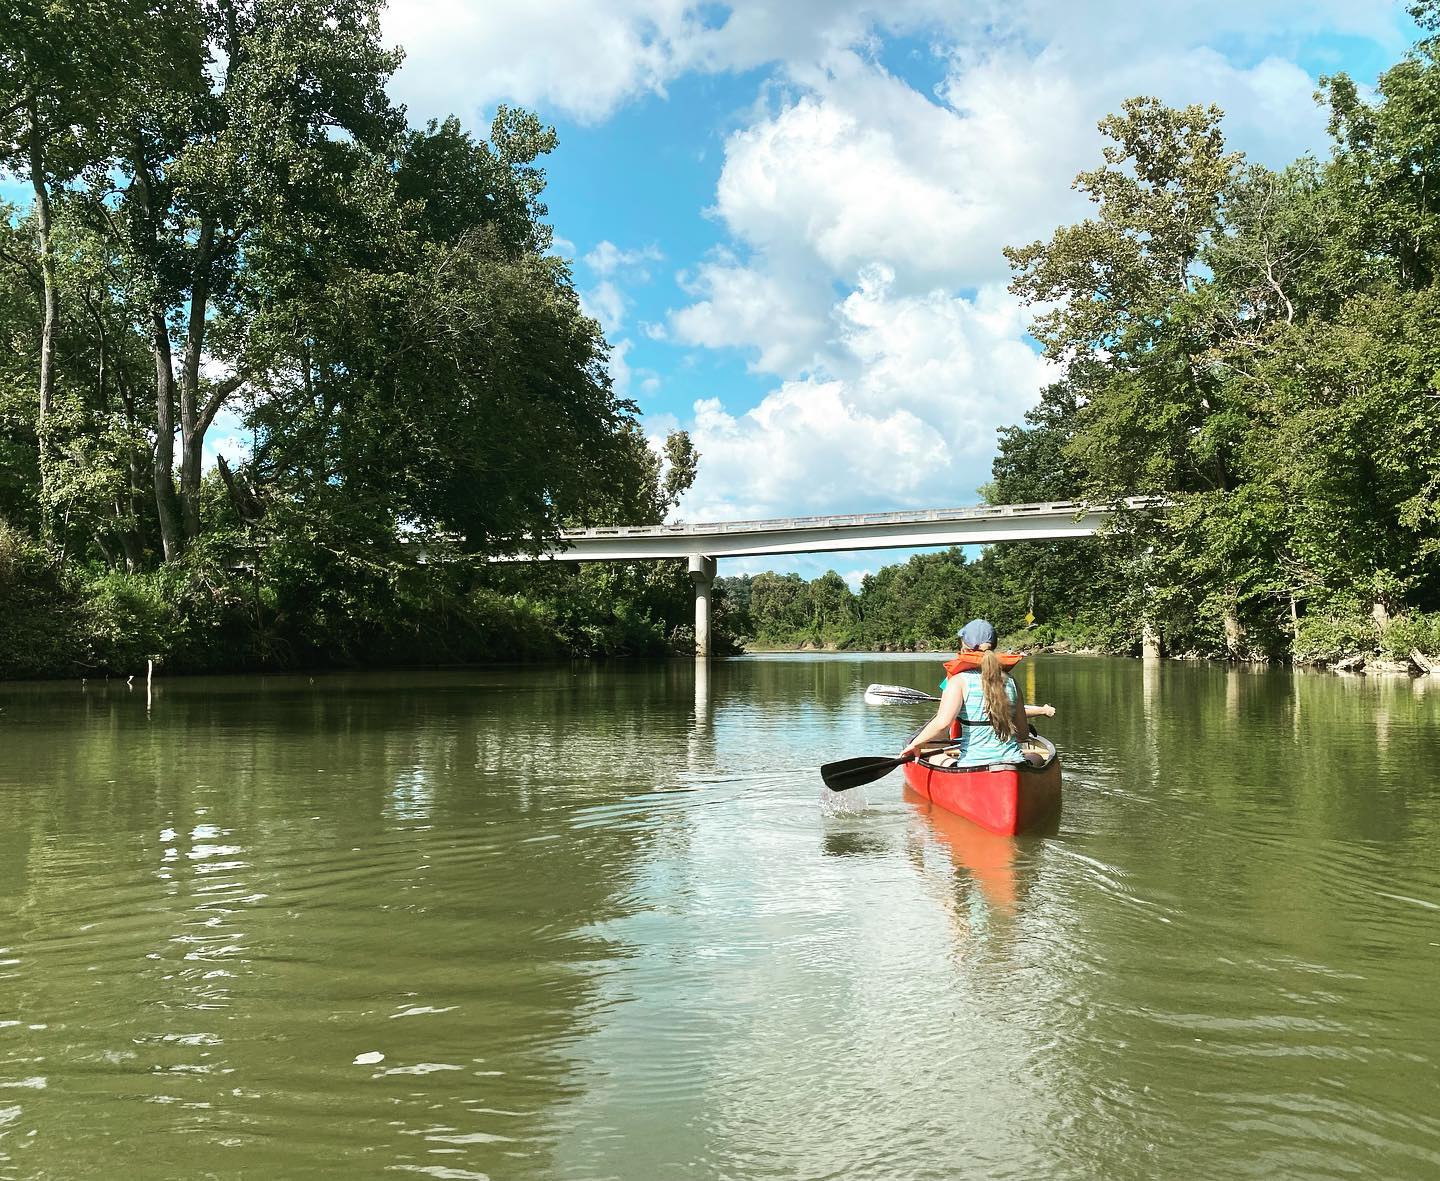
[908,418]
[607,258]
[959,364]
[773,310]
[584,58]
[870,170]
[606,303]
[792,451]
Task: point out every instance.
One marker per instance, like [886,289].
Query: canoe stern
[1004,799]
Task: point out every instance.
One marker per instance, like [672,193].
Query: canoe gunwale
[1025,765]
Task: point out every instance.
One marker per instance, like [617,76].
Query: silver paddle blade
[895,695]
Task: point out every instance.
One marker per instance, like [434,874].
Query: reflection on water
[983,861]
[603,921]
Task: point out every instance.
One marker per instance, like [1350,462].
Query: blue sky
[789,214]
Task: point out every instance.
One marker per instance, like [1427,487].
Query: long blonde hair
[997,702]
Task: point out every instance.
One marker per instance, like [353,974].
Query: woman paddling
[985,701]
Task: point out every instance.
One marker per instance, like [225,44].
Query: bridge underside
[820,540]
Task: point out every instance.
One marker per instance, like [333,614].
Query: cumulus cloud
[584,58]
[606,303]
[907,417]
[581,57]
[607,258]
[778,312]
[785,452]
[864,217]
[867,221]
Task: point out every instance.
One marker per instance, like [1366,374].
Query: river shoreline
[1358,666]
[1351,666]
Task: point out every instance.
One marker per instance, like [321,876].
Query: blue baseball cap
[977,633]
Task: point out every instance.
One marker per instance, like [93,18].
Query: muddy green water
[604,922]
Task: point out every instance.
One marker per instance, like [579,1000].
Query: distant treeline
[918,605]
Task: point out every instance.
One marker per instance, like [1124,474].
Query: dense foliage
[280,372]
[919,604]
[233,232]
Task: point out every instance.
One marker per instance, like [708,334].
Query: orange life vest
[971,661]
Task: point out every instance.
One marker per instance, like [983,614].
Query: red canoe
[1004,797]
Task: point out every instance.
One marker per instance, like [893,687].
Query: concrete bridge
[701,543]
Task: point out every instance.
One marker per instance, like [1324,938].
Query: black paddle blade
[848,773]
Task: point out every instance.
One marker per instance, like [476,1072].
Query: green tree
[240,185]
[65,65]
[781,609]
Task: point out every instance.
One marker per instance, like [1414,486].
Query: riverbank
[309,609]
[1415,663]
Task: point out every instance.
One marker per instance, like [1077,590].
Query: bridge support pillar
[702,574]
[1150,641]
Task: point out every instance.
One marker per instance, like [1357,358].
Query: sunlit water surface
[605,922]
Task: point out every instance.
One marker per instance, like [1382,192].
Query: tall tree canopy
[234,230]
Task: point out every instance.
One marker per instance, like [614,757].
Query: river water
[603,921]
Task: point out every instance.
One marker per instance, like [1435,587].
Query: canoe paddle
[895,695]
[848,773]
[900,695]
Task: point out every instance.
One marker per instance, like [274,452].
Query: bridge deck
[975,525]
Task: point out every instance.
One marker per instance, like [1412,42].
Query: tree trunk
[192,423]
[163,467]
[50,313]
[1380,613]
[1234,633]
[192,453]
